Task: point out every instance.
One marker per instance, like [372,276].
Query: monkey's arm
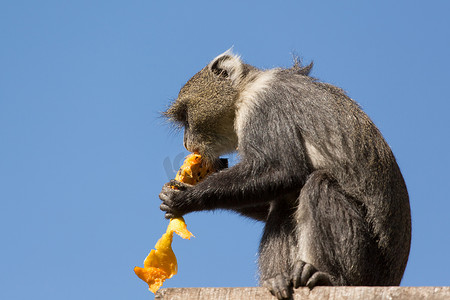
[257,212]
[238,188]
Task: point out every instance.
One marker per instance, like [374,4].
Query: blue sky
[82,146]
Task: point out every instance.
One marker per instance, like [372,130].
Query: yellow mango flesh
[161,263]
[193,169]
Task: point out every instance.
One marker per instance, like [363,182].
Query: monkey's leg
[335,245]
[277,243]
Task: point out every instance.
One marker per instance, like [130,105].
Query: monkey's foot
[280,286]
[305,274]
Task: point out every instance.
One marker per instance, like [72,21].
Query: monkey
[312,166]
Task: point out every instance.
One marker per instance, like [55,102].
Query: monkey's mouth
[218,163]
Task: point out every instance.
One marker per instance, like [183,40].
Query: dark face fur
[205,107]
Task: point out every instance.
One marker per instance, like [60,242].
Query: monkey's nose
[185,142]
[189,147]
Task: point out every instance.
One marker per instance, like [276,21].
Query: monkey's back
[341,139]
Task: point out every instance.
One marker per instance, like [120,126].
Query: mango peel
[161,263]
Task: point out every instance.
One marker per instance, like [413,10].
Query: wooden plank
[318,293]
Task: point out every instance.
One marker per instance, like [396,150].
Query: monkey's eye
[181,121]
[183,117]
[177,113]
[180,117]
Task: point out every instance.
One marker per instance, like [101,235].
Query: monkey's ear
[227,65]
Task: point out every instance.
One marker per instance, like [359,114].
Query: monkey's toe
[279,286]
[305,274]
[319,278]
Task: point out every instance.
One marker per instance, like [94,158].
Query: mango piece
[193,169]
[161,263]
[153,276]
[178,226]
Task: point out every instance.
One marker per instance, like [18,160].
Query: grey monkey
[313,167]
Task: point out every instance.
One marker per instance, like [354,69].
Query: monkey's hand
[173,199]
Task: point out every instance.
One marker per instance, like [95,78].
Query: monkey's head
[206,107]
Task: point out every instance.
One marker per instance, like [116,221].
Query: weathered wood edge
[318,293]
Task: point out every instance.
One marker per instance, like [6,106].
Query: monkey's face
[205,107]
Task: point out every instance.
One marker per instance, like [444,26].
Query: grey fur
[313,167]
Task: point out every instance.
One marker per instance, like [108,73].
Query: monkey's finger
[167,188]
[167,194]
[170,212]
[165,207]
[179,185]
[308,271]
[164,197]
[279,287]
[285,292]
[169,216]
[319,278]
[269,284]
[297,274]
